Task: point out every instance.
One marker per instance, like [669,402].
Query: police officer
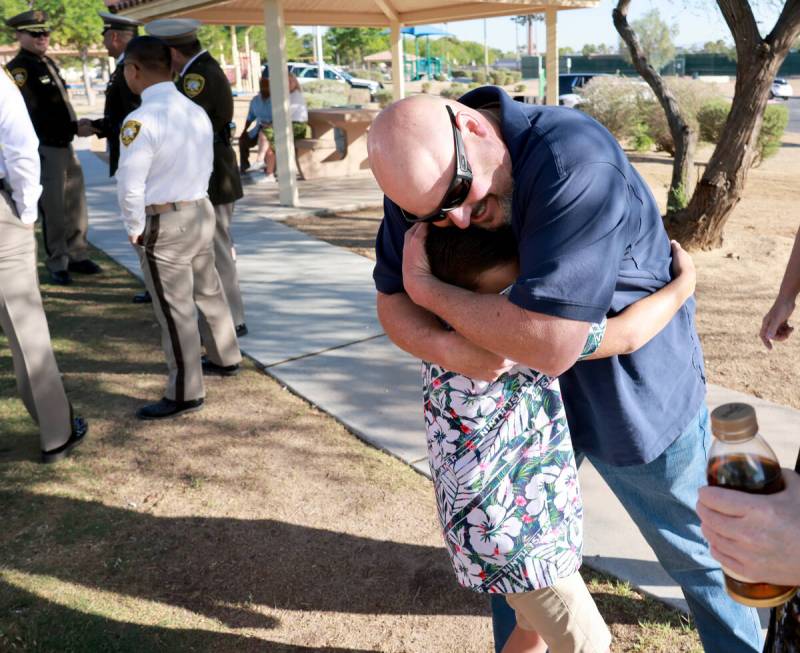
[120,100]
[202,80]
[63,202]
[21,312]
[165,162]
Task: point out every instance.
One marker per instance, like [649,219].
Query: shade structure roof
[341,13]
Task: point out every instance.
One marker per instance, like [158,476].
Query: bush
[776,117]
[642,140]
[365,73]
[325,86]
[472,85]
[711,119]
[479,76]
[454,91]
[441,77]
[457,72]
[691,96]
[497,77]
[324,100]
[426,87]
[384,97]
[515,76]
[615,102]
[520,88]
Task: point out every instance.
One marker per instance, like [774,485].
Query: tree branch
[787,27]
[742,24]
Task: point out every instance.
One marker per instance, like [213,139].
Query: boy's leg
[660,497]
[564,615]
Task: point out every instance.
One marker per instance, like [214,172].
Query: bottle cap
[734,422]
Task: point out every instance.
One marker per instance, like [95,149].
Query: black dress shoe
[168,408]
[60,278]
[241,330]
[212,369]
[142,298]
[79,430]
[84,267]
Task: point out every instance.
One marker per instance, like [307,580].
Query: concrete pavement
[310,313]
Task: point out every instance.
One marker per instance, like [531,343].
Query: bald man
[591,242]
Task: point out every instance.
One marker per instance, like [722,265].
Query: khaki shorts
[564,615]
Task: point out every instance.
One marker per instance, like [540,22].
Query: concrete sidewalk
[311,316]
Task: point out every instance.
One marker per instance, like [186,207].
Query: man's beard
[506,201]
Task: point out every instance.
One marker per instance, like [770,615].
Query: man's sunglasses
[459,186]
[38,34]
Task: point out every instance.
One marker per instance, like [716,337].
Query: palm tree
[528,20]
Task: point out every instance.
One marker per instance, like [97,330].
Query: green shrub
[325,86]
[454,91]
[691,95]
[365,73]
[677,199]
[497,77]
[384,97]
[479,76]
[642,141]
[520,88]
[426,87]
[515,76]
[472,85]
[457,72]
[324,100]
[711,119]
[615,102]
[441,77]
[776,117]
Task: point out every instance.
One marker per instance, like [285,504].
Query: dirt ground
[736,283]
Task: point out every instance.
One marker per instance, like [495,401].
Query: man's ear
[467,120]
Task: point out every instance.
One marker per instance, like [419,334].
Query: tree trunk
[683,136]
[87,80]
[700,224]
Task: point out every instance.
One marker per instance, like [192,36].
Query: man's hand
[775,325]
[754,535]
[417,277]
[85,127]
[473,361]
[136,240]
[683,269]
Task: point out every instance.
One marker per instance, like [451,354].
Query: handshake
[85,127]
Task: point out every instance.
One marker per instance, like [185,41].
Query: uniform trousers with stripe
[177,258]
[24,324]
[62,207]
[224,256]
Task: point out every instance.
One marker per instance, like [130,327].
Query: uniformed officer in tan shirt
[166,160]
[21,312]
[202,80]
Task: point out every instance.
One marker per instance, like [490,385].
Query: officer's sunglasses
[460,185]
[38,34]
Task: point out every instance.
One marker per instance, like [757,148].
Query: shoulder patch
[20,76]
[129,131]
[193,84]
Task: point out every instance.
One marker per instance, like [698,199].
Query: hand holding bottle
[755,536]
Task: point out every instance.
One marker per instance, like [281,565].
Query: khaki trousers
[63,207]
[225,261]
[178,264]
[24,323]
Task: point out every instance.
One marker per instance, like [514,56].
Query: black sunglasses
[37,34]
[460,185]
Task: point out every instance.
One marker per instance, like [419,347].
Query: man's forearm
[790,286]
[542,342]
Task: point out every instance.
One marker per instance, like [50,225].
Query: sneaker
[166,408]
[270,178]
[241,330]
[79,430]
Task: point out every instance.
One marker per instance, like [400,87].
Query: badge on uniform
[20,76]
[193,84]
[130,130]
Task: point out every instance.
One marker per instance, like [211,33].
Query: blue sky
[698,21]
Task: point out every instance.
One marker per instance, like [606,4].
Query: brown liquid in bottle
[755,475]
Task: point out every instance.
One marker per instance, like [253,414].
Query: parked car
[310,72]
[569,86]
[781,89]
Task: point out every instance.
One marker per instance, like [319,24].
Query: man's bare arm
[420,333]
[542,342]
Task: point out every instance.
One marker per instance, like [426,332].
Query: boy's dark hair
[459,256]
[189,49]
[150,53]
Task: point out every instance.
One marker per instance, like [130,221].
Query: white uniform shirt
[297,107]
[166,154]
[19,151]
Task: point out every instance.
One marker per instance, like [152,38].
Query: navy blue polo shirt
[591,242]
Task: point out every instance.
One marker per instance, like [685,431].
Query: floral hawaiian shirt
[505,477]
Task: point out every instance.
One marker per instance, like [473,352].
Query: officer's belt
[223,137]
[169,207]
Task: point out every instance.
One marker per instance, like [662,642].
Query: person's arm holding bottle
[775,325]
